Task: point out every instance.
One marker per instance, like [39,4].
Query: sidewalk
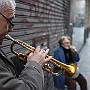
[84,63]
[78,37]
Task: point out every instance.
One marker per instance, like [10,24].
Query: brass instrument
[69,70]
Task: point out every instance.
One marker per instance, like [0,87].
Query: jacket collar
[3,55]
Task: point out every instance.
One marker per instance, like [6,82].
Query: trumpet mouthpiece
[9,37]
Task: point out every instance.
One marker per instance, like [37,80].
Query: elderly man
[31,77]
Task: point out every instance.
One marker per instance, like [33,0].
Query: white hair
[5,3]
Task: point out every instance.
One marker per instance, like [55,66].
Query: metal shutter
[35,18]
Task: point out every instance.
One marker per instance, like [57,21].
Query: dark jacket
[30,78]
[59,81]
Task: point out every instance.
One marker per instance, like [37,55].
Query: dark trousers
[71,83]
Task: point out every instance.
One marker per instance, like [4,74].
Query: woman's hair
[5,3]
[62,38]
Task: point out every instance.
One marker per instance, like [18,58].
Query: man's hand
[39,56]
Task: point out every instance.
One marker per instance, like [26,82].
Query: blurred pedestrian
[67,54]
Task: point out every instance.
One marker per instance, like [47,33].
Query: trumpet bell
[70,70]
[76,73]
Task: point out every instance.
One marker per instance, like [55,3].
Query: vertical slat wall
[36,18]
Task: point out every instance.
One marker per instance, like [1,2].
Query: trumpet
[69,70]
